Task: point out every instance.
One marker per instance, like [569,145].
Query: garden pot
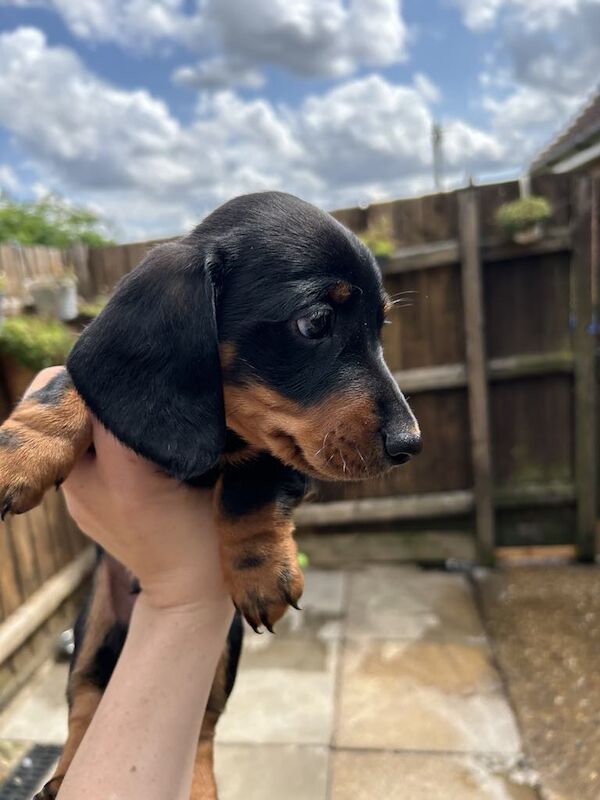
[66,299]
[44,299]
[529,235]
[58,300]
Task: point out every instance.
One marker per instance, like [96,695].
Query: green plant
[522,214]
[379,238]
[93,308]
[35,342]
[50,221]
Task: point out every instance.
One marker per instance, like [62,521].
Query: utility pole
[437,141]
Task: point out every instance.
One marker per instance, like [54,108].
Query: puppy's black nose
[401,446]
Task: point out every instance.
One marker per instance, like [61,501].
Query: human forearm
[160,688]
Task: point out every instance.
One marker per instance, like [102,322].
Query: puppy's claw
[291,602]
[6,507]
[265,621]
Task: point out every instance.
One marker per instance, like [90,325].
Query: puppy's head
[266,319]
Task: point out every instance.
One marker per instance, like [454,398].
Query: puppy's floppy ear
[148,366]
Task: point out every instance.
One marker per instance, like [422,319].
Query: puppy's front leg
[253,504]
[40,442]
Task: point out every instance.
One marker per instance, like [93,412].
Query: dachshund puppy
[246,356]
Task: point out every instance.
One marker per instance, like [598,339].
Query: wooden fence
[44,561]
[497,354]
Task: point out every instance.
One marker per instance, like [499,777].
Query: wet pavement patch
[545,628]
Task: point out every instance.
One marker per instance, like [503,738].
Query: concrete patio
[383,688]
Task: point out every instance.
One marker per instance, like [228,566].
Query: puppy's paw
[262,588]
[40,442]
[30,463]
[50,790]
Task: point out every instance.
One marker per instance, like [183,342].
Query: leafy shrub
[522,214]
[51,221]
[35,342]
[379,239]
[93,308]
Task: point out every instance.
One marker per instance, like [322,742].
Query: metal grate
[26,778]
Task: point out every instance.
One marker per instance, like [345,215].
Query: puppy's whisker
[361,457]
[323,445]
[343,460]
[402,294]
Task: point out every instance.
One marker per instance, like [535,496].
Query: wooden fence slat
[468,221]
[586,458]
[10,591]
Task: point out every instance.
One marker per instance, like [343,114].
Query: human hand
[162,530]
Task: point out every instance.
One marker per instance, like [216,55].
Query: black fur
[54,391]
[10,438]
[148,366]
[107,655]
[255,484]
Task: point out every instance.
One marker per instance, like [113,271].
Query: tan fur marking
[204,786]
[52,438]
[227,353]
[336,439]
[262,592]
[340,292]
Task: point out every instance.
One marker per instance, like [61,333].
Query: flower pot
[56,300]
[66,300]
[529,235]
[44,298]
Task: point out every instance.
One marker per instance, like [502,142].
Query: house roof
[579,134]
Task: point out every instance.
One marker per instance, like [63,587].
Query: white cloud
[236,40]
[534,14]
[124,151]
[427,88]
[9,182]
[545,64]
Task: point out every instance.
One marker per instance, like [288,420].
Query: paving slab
[257,772]
[285,689]
[323,607]
[443,696]
[414,776]
[39,712]
[404,602]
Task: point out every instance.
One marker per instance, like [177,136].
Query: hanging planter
[524,220]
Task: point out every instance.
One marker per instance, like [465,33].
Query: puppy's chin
[347,464]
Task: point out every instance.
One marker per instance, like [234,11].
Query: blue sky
[154,111]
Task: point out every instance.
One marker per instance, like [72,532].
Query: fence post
[477,382]
[586,433]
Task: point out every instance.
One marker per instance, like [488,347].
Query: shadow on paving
[545,628]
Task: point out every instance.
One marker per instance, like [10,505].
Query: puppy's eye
[317,325]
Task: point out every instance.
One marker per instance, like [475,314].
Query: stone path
[383,688]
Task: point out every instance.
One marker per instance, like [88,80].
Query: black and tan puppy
[247,356]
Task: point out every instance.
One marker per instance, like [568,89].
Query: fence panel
[530,350]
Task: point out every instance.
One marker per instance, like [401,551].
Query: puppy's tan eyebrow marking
[387,304]
[340,292]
